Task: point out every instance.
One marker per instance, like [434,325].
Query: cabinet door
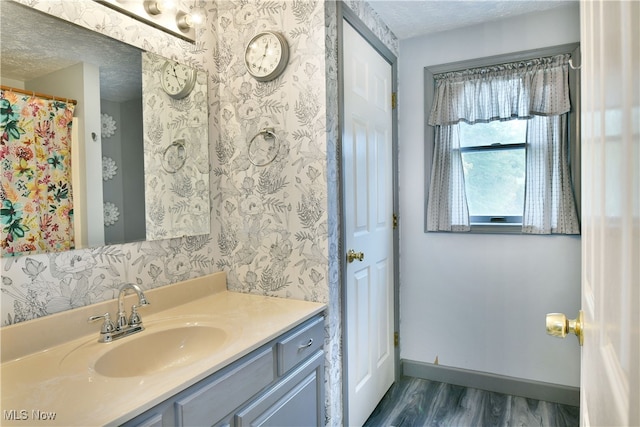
[296,401]
[210,403]
[154,420]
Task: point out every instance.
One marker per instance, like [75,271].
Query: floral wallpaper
[278,231]
[272,233]
[274,228]
[176,156]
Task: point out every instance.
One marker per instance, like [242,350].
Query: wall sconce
[158,13]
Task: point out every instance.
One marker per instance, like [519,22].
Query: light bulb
[184,21]
[167,4]
[197,17]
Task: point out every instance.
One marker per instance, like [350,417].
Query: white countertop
[48,381]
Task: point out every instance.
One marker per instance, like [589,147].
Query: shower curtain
[36,214]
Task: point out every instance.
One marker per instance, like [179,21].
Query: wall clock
[177,80]
[266,55]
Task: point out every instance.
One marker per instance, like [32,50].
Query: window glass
[494,175]
[494,182]
[510,132]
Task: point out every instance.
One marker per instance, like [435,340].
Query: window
[493,160]
[498,140]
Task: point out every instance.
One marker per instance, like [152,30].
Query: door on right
[610,81]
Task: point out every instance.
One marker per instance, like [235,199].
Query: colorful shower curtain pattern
[36,214]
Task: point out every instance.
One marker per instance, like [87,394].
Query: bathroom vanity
[279,384]
[207,356]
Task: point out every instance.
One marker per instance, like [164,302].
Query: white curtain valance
[504,92]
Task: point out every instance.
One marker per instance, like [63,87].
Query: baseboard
[492,382]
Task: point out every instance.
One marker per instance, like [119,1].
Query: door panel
[383,216]
[360,185]
[382,295]
[360,328]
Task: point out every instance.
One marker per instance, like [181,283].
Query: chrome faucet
[122,328]
[135,319]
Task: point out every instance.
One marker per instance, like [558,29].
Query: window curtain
[535,90]
[447,208]
[35,159]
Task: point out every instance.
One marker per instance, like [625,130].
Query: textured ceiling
[34,44]
[411,18]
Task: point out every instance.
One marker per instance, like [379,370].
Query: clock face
[177,79]
[266,56]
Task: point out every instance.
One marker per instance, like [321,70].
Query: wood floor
[415,402]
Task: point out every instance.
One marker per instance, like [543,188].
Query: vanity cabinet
[279,384]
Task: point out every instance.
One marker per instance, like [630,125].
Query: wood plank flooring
[413,402]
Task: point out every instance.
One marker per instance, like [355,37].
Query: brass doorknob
[353,255]
[559,326]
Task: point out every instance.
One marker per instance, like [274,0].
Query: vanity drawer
[212,402]
[301,343]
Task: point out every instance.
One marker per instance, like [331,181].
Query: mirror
[123,140]
[176,149]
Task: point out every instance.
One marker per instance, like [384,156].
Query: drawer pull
[309,344]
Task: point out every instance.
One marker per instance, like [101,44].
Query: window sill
[483,228]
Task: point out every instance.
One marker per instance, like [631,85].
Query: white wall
[126,188]
[113,189]
[16,84]
[478,302]
[132,174]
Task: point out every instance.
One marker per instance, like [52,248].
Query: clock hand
[175,74]
[264,55]
[172,73]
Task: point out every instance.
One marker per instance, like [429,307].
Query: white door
[368,199]
[610,80]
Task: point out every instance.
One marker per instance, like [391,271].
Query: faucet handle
[135,319]
[107,326]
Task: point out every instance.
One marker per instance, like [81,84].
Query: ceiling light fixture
[157,13]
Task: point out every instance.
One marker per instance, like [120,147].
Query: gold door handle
[353,255]
[559,326]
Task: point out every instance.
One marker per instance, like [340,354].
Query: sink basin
[149,352]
